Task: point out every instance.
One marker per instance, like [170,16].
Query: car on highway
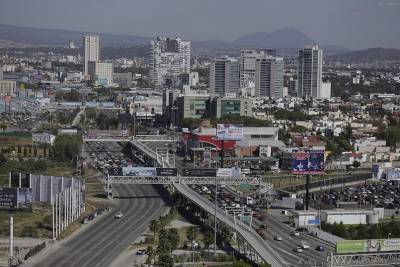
[278,238]
[320,248]
[298,249]
[296,233]
[118,215]
[304,245]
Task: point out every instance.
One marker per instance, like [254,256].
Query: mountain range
[282,39]
[285,40]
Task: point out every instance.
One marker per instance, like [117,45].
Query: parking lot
[381,195]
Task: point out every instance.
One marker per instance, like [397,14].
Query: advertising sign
[228,172]
[313,221]
[375,168]
[142,171]
[230,131]
[201,172]
[139,171]
[366,246]
[392,174]
[12,198]
[308,161]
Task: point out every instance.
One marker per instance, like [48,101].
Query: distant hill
[371,54]
[285,38]
[56,37]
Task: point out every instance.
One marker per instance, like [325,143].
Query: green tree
[67,147]
[392,136]
[191,233]
[35,151]
[19,149]
[208,238]
[150,254]
[362,231]
[30,149]
[173,237]
[91,113]
[165,260]
[154,226]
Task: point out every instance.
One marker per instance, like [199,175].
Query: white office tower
[325,90]
[224,76]
[248,59]
[169,58]
[269,77]
[91,51]
[101,73]
[310,72]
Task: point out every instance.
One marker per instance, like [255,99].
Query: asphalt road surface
[103,241]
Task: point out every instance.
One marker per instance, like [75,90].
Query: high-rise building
[224,76]
[101,73]
[248,59]
[310,72]
[269,77]
[91,51]
[8,88]
[169,58]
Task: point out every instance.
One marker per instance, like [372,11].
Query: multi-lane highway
[106,238]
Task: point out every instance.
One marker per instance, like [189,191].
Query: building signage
[367,246]
[200,172]
[167,171]
[230,131]
[308,161]
[12,198]
[228,172]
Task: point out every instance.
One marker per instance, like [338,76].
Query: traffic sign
[200,172]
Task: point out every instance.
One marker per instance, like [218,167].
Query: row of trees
[28,150]
[362,231]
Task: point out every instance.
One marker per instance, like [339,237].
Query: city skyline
[354,24]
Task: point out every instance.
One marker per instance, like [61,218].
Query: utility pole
[216,200]
[307,190]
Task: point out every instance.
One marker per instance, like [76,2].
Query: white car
[295,233]
[278,238]
[298,249]
[304,245]
[118,215]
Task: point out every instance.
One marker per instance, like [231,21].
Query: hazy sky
[350,23]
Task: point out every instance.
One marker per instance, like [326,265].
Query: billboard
[367,246]
[308,161]
[229,131]
[228,172]
[142,171]
[12,198]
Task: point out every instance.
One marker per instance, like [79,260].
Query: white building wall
[91,51]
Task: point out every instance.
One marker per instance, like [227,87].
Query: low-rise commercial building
[43,139]
[232,106]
